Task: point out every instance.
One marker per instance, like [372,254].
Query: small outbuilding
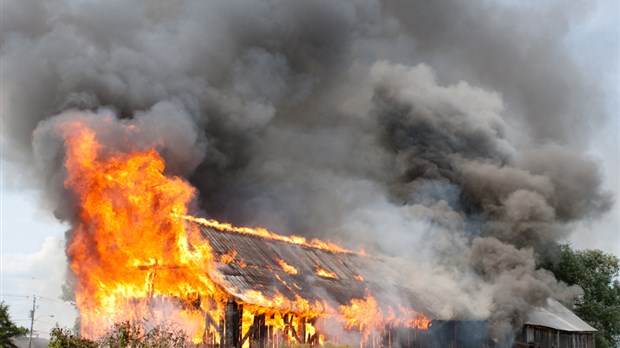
[555,326]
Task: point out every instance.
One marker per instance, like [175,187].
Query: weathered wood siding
[545,337]
[443,334]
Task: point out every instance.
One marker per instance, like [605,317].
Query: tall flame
[136,258]
[127,246]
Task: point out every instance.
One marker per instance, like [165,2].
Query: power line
[15,297]
[46,299]
[9,295]
[55,302]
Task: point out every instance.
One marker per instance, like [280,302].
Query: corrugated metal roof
[554,315]
[255,267]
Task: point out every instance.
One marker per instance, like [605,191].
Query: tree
[127,335]
[122,335]
[597,274]
[8,329]
[64,338]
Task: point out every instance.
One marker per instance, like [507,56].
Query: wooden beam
[302,330]
[289,327]
[232,320]
[259,333]
[240,325]
[248,334]
[221,329]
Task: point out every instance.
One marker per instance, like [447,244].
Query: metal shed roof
[255,267]
[554,315]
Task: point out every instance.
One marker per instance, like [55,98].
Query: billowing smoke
[446,133]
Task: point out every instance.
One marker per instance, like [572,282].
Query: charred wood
[232,320]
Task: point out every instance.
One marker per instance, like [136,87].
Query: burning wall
[419,131]
[137,256]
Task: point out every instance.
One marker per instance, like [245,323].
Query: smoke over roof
[448,134]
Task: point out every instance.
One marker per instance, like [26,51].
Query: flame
[413,319]
[326,274]
[138,256]
[366,316]
[265,233]
[229,257]
[286,267]
[363,315]
[127,251]
[420,322]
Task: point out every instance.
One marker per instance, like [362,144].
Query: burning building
[281,291]
[138,257]
[419,131]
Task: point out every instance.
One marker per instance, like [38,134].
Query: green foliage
[122,335]
[8,329]
[64,338]
[597,274]
[127,335]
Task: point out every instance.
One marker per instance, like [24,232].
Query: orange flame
[265,233]
[326,274]
[286,267]
[420,322]
[229,257]
[137,259]
[127,250]
[368,317]
[363,314]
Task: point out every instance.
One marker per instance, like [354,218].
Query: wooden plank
[232,320]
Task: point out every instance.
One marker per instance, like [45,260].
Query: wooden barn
[555,326]
[277,290]
[277,293]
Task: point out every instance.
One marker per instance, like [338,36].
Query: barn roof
[255,267]
[554,315]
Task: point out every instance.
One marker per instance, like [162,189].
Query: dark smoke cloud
[517,284]
[513,48]
[444,133]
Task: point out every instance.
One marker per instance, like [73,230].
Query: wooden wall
[544,337]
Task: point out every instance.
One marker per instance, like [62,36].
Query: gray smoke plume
[450,134]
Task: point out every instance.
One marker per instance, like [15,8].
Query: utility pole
[34,302]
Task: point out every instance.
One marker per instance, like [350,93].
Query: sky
[596,46]
[33,262]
